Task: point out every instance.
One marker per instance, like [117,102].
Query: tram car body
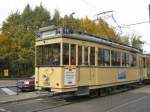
[145,64]
[79,63]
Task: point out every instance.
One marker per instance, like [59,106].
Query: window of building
[79,55]
[65,54]
[86,55]
[73,54]
[92,56]
[115,58]
[48,54]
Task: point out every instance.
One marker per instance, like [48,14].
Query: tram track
[43,104]
[65,102]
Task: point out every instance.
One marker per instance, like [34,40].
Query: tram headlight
[44,77]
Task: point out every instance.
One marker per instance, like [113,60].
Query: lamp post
[71,21]
[71,15]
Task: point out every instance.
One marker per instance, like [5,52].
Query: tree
[124,40]
[41,17]
[136,42]
[56,20]
[21,30]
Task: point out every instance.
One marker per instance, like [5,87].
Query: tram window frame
[105,57]
[73,54]
[144,62]
[45,58]
[39,61]
[86,55]
[65,54]
[92,56]
[123,62]
[99,57]
[125,59]
[133,60]
[115,58]
[80,55]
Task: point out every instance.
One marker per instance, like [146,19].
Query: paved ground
[132,101]
[8,87]
[4,83]
[5,91]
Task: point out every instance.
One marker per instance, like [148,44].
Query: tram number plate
[70,77]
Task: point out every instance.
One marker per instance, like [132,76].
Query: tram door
[148,67]
[141,68]
[92,66]
[83,71]
[92,76]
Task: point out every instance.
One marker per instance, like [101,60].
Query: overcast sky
[125,12]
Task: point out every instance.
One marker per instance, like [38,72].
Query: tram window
[86,55]
[65,54]
[125,59]
[46,52]
[132,60]
[99,56]
[79,55]
[56,54]
[73,54]
[105,56]
[48,55]
[92,56]
[115,58]
[144,63]
[39,57]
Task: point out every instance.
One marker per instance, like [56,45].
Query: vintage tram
[78,63]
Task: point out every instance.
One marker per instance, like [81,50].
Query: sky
[125,12]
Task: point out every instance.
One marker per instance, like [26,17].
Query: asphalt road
[8,87]
[7,83]
[132,101]
[5,91]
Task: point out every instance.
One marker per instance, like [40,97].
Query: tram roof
[82,36]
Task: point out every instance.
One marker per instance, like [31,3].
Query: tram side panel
[48,77]
[146,69]
[105,77]
[61,79]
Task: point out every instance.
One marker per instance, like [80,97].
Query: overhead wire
[138,23]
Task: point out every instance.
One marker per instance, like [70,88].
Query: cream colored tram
[79,63]
[146,68]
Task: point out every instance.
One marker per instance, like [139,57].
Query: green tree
[136,42]
[56,20]
[21,30]
[41,17]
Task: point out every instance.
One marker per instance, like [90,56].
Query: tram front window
[65,54]
[48,55]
